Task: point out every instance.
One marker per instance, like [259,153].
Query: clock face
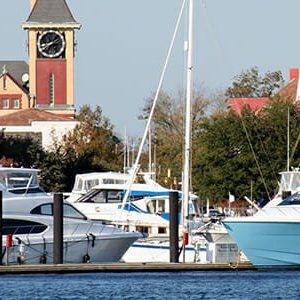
[51,44]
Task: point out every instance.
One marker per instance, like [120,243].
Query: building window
[16,103]
[5,103]
[51,89]
[4,82]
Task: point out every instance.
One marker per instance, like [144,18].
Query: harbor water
[154,285]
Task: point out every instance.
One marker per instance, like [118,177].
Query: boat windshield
[102,196]
[290,181]
[292,200]
[20,182]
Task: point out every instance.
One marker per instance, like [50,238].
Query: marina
[152,231]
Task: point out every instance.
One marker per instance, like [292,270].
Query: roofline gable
[15,82]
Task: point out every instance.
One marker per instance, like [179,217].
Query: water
[180,285]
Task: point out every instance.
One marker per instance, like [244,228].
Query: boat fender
[185,238]
[3,253]
[8,243]
[21,252]
[43,259]
[93,240]
[86,259]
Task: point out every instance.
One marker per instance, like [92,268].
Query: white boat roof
[116,175]
[134,187]
[20,170]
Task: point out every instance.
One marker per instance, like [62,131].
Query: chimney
[32,3]
[294,73]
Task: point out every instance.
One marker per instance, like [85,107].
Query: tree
[167,128]
[91,146]
[235,152]
[20,151]
[251,84]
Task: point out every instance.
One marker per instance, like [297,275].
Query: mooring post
[58,228]
[173,226]
[1,224]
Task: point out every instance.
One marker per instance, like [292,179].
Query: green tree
[21,151]
[167,129]
[251,84]
[235,152]
[91,146]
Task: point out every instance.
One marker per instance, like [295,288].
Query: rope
[135,167]
[255,158]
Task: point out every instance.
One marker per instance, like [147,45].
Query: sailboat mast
[187,145]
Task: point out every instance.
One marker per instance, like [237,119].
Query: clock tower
[51,27]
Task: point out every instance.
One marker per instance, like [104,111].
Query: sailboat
[189,251]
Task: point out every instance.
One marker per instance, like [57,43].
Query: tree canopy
[91,146]
[251,84]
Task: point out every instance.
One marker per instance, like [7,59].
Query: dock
[121,267]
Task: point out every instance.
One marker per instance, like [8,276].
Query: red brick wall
[44,67]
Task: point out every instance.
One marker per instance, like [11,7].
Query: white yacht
[86,181]
[28,218]
[146,211]
[84,240]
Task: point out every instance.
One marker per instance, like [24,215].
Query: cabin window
[151,206]
[91,183]
[51,88]
[16,103]
[142,229]
[162,230]
[114,196]
[291,200]
[102,196]
[5,103]
[78,185]
[69,211]
[108,181]
[15,226]
[160,206]
[156,206]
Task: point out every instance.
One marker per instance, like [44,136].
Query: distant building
[291,91]
[42,126]
[38,96]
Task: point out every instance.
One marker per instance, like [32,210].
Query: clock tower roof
[50,12]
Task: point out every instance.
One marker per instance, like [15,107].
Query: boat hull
[104,249]
[274,243]
[149,251]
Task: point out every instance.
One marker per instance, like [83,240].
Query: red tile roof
[27,116]
[255,104]
[290,90]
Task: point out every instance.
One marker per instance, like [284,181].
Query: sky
[122,47]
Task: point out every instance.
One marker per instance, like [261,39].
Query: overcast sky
[122,46]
